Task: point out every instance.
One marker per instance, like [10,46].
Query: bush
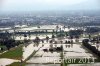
[66,42]
[59,49]
[51,50]
[98,53]
[61,35]
[69,42]
[45,50]
[55,42]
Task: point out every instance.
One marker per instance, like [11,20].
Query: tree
[37,40]
[53,36]
[25,35]
[25,38]
[77,38]
[7,40]
[29,34]
[61,41]
[10,43]
[42,41]
[64,27]
[66,42]
[51,41]
[75,32]
[92,29]
[47,38]
[57,27]
[71,37]
[89,36]
[71,43]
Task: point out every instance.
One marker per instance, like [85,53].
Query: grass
[24,62]
[14,53]
[4,48]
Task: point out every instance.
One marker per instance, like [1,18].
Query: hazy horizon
[48,5]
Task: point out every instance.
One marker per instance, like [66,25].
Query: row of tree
[92,48]
[10,43]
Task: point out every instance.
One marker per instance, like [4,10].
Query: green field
[14,53]
[4,48]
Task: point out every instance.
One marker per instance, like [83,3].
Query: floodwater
[43,65]
[69,51]
[5,61]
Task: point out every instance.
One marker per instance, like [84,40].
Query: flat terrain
[14,53]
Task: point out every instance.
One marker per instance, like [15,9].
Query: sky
[48,5]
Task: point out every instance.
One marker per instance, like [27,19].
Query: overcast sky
[42,5]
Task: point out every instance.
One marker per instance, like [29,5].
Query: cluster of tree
[57,49]
[7,41]
[10,43]
[69,42]
[92,48]
[60,35]
[75,32]
[35,32]
[95,39]
[36,40]
[53,36]
[66,42]
[92,29]
[47,38]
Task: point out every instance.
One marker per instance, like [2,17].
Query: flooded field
[69,51]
